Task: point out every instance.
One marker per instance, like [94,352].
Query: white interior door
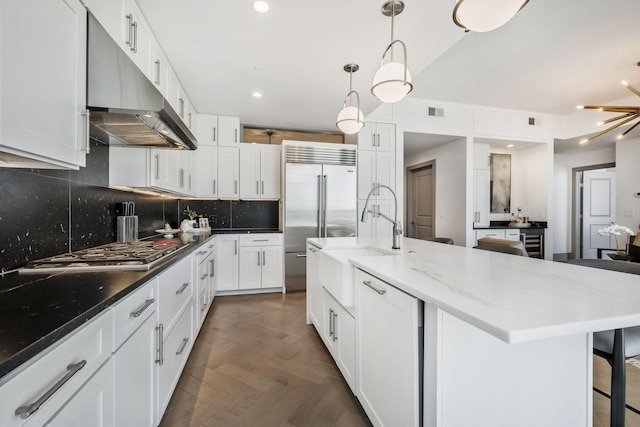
[598,210]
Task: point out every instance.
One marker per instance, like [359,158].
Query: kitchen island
[507,340]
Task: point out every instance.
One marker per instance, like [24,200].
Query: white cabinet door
[91,406]
[386,135]
[227,256]
[206,185]
[229,131]
[137,37]
[228,172]
[43,83]
[270,172]
[385,173]
[375,226]
[366,172]
[338,334]
[110,14]
[250,171]
[481,156]
[135,376]
[481,202]
[512,234]
[387,335]
[314,288]
[251,272]
[272,266]
[159,71]
[493,233]
[207,130]
[377,137]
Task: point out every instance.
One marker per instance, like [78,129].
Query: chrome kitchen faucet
[397,227]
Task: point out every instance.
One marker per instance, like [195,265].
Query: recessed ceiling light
[261,6]
[510,146]
[257,95]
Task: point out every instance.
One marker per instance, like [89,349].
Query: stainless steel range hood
[125,107]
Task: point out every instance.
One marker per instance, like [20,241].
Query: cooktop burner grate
[138,255]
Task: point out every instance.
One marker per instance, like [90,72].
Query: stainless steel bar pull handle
[87,126]
[182,288]
[212,264]
[157,156]
[160,330]
[335,335]
[235,247]
[319,206]
[331,322]
[183,345]
[142,308]
[375,288]
[26,411]
[264,259]
[129,41]
[235,186]
[214,186]
[258,257]
[262,187]
[324,204]
[301,255]
[236,135]
[157,72]
[214,134]
[257,187]
[135,37]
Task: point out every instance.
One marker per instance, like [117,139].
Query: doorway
[421,199]
[594,191]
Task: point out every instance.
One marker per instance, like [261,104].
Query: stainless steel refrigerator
[320,200]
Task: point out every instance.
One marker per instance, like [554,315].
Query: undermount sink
[336,272]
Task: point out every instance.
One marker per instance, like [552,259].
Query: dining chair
[615,346]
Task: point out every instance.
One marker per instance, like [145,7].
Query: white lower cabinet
[37,394]
[261,261]
[498,233]
[339,335]
[91,406]
[173,353]
[388,348]
[314,287]
[227,256]
[134,357]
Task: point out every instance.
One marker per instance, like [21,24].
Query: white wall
[451,188]
[628,183]
[562,189]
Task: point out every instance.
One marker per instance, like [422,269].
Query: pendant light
[485,15]
[350,119]
[392,81]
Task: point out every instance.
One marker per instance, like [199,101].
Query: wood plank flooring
[257,363]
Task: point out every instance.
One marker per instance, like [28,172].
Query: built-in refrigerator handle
[324,204]
[320,208]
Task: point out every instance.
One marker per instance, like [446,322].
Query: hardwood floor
[602,380]
[257,363]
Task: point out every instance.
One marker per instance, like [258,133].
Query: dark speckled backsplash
[48,212]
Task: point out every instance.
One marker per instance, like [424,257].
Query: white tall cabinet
[481,185]
[376,165]
[43,84]
[259,171]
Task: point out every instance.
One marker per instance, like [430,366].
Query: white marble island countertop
[515,299]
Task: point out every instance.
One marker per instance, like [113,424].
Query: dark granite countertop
[505,224]
[37,310]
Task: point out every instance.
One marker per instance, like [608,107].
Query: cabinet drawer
[202,307]
[175,350]
[175,290]
[131,312]
[90,344]
[260,239]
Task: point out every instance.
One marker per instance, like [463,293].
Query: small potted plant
[616,230]
[191,222]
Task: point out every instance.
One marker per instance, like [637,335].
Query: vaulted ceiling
[552,56]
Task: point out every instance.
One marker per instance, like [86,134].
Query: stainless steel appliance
[320,200]
[125,107]
[140,255]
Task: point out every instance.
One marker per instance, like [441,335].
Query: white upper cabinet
[229,131]
[218,130]
[228,172]
[481,159]
[206,182]
[377,137]
[136,36]
[159,72]
[43,84]
[110,14]
[259,171]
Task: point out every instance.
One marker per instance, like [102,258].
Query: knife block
[127,228]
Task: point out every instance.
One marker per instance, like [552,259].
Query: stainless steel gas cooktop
[138,255]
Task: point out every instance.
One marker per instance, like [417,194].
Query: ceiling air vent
[532,121]
[435,112]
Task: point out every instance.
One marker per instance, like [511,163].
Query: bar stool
[615,346]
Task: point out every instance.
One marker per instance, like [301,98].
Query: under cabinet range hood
[125,107]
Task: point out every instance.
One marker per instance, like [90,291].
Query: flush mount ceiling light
[261,6]
[350,119]
[628,114]
[485,15]
[392,81]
